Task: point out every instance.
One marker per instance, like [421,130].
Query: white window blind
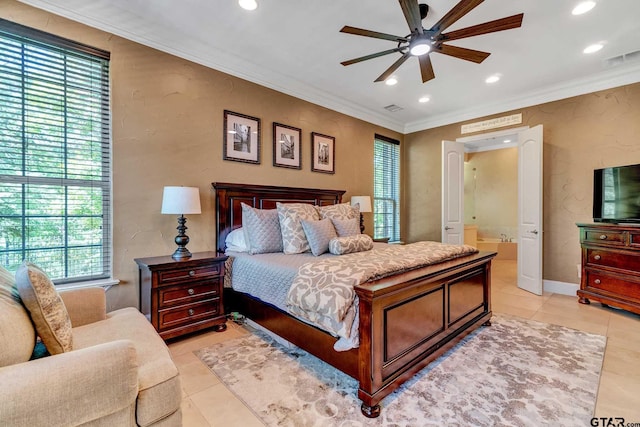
[55,185]
[386,185]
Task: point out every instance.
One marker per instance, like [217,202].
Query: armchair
[119,372]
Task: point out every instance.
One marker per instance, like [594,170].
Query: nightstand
[180,297]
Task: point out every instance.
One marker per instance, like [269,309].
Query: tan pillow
[46,308]
[17,335]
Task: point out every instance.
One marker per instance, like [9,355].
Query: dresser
[180,297]
[610,265]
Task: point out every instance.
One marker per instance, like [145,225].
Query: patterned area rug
[514,373]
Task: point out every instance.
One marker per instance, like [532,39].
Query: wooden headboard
[229,197]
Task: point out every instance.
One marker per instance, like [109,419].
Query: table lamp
[181,201]
[365,206]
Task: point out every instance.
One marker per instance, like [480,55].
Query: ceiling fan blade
[393,67]
[426,69]
[507,23]
[368,33]
[476,56]
[458,11]
[373,55]
[411,12]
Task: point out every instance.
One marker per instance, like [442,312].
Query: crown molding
[604,80]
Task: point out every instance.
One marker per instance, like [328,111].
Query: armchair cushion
[46,308]
[17,334]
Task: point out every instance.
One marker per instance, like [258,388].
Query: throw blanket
[323,292]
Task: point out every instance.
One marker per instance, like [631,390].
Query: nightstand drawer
[613,259]
[612,284]
[605,237]
[187,314]
[187,293]
[180,274]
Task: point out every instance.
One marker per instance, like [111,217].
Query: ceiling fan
[421,42]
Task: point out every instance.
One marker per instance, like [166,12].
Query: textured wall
[581,134]
[167,127]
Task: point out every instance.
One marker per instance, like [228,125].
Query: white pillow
[235,241]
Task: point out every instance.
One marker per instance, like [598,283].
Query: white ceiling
[295,47]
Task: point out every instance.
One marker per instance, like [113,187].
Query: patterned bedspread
[323,291]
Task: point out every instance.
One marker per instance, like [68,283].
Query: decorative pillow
[351,244]
[347,227]
[235,241]
[318,235]
[339,211]
[294,240]
[46,308]
[17,335]
[261,230]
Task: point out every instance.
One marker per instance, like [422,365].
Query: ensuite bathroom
[491,201]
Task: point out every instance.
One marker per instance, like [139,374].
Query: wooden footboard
[408,320]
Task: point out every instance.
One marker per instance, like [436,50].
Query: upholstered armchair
[113,370]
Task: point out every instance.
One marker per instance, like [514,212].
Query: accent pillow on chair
[46,308]
[17,335]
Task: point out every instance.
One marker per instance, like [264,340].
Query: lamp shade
[363,201]
[181,200]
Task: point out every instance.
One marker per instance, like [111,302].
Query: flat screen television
[616,194]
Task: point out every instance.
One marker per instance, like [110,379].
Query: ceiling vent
[621,59]
[393,108]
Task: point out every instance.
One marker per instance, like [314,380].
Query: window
[55,186]
[386,188]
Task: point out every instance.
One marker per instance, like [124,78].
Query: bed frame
[406,320]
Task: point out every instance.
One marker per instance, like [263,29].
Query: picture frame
[241,139]
[286,146]
[323,153]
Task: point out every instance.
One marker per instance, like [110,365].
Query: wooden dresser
[180,297]
[610,265]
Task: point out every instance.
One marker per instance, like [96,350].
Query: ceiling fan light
[248,4]
[583,7]
[420,48]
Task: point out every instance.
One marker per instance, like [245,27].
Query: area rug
[514,373]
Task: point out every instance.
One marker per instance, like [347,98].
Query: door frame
[499,145]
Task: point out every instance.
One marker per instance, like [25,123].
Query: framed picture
[241,141]
[286,146]
[323,153]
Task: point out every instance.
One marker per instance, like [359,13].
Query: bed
[406,320]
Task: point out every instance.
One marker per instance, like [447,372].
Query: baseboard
[562,288]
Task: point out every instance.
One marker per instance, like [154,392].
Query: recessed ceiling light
[492,79]
[424,99]
[248,4]
[593,48]
[391,81]
[583,7]
[506,141]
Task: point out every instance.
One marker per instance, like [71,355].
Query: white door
[453,192]
[530,210]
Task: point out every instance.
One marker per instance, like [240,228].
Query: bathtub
[505,250]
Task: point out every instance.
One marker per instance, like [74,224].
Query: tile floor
[207,402]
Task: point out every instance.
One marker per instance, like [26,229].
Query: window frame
[75,57]
[387,193]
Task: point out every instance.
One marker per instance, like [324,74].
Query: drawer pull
[597,281]
[191,291]
[603,237]
[597,258]
[191,312]
[193,273]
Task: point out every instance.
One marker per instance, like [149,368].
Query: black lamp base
[181,240]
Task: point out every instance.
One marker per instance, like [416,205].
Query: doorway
[509,220]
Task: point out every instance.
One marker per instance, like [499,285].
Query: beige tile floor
[207,402]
